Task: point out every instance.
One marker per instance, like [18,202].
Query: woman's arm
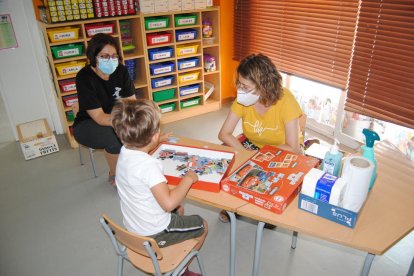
[226,131]
[100,117]
[291,136]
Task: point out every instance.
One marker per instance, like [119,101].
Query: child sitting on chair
[147,203]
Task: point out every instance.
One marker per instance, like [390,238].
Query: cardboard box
[270,179]
[210,165]
[147,6]
[36,139]
[187,5]
[174,5]
[324,209]
[161,6]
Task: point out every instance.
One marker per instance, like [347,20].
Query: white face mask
[246,99]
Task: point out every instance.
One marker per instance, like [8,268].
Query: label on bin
[160,39]
[166,109]
[187,64]
[162,82]
[64,35]
[71,70]
[189,91]
[105,30]
[186,21]
[161,70]
[162,55]
[68,52]
[158,24]
[193,102]
[186,51]
[69,87]
[185,36]
[188,77]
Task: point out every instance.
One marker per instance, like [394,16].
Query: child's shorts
[181,228]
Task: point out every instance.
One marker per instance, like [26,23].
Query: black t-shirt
[94,92]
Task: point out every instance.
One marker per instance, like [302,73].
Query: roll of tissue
[324,186]
[357,172]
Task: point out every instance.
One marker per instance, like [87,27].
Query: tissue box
[323,209]
[36,139]
[271,179]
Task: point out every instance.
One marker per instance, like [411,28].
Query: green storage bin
[155,23]
[163,95]
[185,20]
[167,107]
[66,51]
[190,102]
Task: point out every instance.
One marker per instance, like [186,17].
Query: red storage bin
[158,38]
[67,85]
[70,100]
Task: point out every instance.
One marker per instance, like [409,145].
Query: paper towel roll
[357,172]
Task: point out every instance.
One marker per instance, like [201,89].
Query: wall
[25,80]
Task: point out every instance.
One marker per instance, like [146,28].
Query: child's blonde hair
[136,121]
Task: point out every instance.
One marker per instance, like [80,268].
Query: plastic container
[185,34]
[167,107]
[70,100]
[163,95]
[127,41]
[67,86]
[186,50]
[190,102]
[131,65]
[153,23]
[368,151]
[93,29]
[193,76]
[128,48]
[160,53]
[185,20]
[161,82]
[66,51]
[187,63]
[190,89]
[209,63]
[332,161]
[70,116]
[158,38]
[207,28]
[68,68]
[63,34]
[161,68]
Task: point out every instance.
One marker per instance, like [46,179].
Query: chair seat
[172,256]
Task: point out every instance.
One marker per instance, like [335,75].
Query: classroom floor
[50,206]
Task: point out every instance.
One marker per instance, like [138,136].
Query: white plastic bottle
[332,161]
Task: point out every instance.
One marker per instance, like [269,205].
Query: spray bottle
[368,150]
[332,161]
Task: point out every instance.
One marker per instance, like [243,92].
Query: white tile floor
[49,210]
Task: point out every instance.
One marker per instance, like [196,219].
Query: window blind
[311,39]
[381,80]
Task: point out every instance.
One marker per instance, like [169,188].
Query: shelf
[61,60]
[80,40]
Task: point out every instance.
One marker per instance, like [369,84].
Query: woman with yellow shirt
[269,113]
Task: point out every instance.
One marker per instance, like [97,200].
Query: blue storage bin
[190,89]
[161,82]
[187,63]
[160,53]
[185,34]
[161,68]
[130,65]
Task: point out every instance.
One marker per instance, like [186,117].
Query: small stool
[90,150]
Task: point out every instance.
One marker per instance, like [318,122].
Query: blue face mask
[107,66]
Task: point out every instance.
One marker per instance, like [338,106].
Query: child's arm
[170,199]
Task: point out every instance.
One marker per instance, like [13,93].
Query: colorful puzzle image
[210,165]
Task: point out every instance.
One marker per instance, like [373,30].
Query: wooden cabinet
[161,60]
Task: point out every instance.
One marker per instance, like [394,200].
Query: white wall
[25,78]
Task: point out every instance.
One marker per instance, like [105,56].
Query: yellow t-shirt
[268,129]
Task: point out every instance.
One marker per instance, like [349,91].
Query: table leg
[232,243]
[367,264]
[411,269]
[294,239]
[257,248]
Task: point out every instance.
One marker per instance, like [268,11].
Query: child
[146,200]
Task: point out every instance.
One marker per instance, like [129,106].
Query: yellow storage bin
[63,34]
[68,68]
[187,50]
[188,77]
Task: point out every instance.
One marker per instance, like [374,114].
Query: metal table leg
[232,243]
[367,264]
[294,239]
[257,248]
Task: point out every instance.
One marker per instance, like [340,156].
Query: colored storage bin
[65,51]
[70,100]
[63,34]
[130,64]
[128,48]
[158,38]
[161,68]
[167,107]
[70,116]
[185,20]
[68,68]
[161,82]
[185,34]
[187,50]
[187,63]
[163,95]
[193,76]
[190,102]
[153,23]
[191,89]
[93,29]
[160,53]
[67,85]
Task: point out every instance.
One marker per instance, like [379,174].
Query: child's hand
[192,175]
[164,136]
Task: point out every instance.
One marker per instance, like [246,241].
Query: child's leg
[203,237]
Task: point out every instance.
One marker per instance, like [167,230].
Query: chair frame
[152,250]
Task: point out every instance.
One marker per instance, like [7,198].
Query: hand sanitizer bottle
[332,161]
[368,150]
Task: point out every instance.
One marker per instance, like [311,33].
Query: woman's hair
[136,121]
[260,70]
[97,43]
